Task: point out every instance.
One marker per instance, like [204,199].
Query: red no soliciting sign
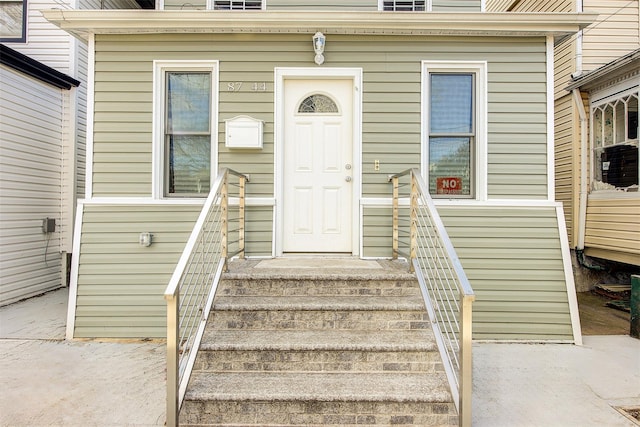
[449,185]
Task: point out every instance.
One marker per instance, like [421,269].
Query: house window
[615,143]
[454,116]
[185,147]
[404,5]
[13,21]
[237,5]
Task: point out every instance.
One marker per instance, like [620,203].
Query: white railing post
[241,216]
[192,288]
[173,347]
[395,219]
[466,360]
[224,208]
[413,251]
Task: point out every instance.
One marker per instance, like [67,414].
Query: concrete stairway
[346,343]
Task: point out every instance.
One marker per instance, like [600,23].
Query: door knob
[348,179]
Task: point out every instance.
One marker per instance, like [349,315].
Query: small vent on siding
[238,5]
[401,5]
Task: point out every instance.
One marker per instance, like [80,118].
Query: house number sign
[253,87]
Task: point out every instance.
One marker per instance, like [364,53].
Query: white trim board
[75,266]
[568,273]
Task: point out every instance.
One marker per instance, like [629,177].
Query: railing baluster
[396,191]
[224,208]
[192,287]
[241,218]
[446,290]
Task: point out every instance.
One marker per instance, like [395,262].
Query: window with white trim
[454,106]
[404,5]
[185,129]
[237,5]
[615,142]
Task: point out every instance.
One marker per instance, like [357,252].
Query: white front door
[318,165]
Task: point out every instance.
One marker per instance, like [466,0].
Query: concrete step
[316,284]
[320,319]
[326,312]
[323,399]
[320,346]
[357,303]
[379,278]
[317,413]
[349,351]
[406,340]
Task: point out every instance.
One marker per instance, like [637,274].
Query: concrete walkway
[47,381]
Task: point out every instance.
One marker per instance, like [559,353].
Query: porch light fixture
[319,41]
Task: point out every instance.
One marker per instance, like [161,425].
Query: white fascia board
[81,23]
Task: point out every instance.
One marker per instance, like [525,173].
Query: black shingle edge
[36,69]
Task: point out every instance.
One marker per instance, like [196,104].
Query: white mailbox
[243,132]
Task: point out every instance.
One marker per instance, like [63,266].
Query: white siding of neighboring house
[47,43]
[43,157]
[28,271]
[57,49]
[30,185]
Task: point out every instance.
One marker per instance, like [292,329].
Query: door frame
[281,75]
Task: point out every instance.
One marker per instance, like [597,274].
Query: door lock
[347,166]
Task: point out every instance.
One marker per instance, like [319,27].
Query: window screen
[398,5]
[451,134]
[188,133]
[238,5]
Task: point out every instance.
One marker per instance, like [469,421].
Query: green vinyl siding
[121,284]
[259,231]
[513,260]
[391,103]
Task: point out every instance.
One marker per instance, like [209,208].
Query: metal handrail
[447,293]
[193,285]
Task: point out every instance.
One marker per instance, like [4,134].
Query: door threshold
[317,255]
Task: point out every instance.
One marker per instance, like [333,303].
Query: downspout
[579,68]
[582,198]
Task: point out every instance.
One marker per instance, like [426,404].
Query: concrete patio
[48,381]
